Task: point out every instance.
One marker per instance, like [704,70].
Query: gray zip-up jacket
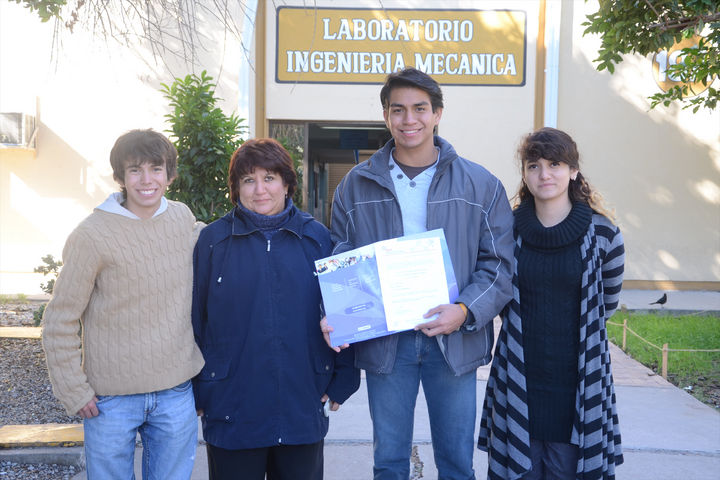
[471,206]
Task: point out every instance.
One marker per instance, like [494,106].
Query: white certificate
[385,287]
[412,278]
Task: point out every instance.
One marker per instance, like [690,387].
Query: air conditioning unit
[17,130]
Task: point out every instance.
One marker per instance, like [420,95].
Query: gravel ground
[18,314]
[25,390]
[9,470]
[25,393]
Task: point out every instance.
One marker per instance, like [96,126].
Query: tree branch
[653,8]
[683,22]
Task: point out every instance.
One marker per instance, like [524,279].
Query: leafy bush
[205,139]
[292,138]
[50,267]
[38,314]
[296,153]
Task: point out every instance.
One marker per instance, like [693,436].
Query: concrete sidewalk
[667,433]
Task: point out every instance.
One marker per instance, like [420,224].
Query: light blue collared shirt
[412,195]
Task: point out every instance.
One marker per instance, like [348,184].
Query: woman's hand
[334,406]
[326,329]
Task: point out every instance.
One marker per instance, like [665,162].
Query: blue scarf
[268,224]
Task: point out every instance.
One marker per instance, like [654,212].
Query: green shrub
[205,139]
[50,267]
[38,315]
[296,154]
[292,138]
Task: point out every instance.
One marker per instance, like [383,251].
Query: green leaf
[634,26]
[205,138]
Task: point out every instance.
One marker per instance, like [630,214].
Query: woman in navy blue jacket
[256,308]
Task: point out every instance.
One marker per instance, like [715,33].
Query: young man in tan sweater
[127,280]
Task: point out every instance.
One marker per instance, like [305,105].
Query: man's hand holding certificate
[386,287]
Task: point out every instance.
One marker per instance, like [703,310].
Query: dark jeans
[281,462]
[552,461]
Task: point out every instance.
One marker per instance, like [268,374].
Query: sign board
[456,47]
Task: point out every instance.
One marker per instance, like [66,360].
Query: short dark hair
[138,147]
[265,153]
[413,78]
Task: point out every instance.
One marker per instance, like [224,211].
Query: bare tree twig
[173,27]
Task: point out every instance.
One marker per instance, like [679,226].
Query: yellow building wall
[659,168]
[84,92]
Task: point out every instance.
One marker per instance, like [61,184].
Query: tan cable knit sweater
[129,282]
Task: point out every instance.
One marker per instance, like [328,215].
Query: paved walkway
[667,433]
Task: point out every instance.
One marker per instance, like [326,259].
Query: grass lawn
[696,372]
[19,298]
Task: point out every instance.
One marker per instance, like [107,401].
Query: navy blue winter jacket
[256,317]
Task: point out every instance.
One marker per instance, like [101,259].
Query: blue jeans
[167,423]
[451,405]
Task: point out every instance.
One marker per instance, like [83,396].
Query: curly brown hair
[553,144]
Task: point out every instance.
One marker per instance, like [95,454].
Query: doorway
[328,151]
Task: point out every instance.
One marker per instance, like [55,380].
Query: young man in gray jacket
[415,183]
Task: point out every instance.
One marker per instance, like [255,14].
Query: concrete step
[20,332]
[44,435]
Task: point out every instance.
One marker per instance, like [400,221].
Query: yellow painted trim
[47,435]
[671,285]
[261,123]
[20,332]
[540,55]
